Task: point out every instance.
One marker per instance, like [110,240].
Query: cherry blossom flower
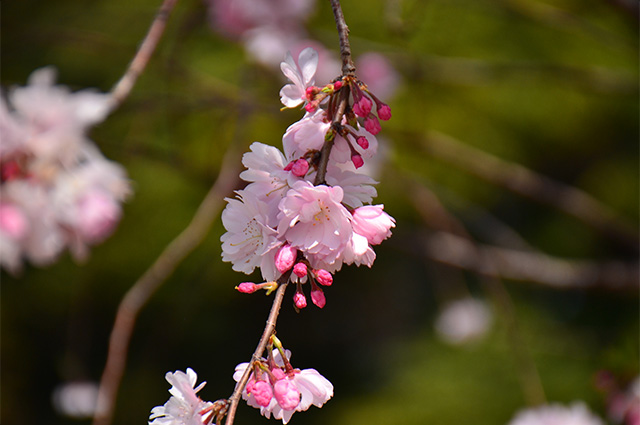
[312,387]
[373,223]
[556,414]
[249,241]
[301,76]
[313,220]
[463,321]
[306,134]
[184,406]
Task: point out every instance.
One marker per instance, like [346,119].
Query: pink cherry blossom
[372,125]
[301,76]
[313,219]
[373,223]
[357,187]
[249,241]
[305,135]
[313,389]
[184,406]
[317,297]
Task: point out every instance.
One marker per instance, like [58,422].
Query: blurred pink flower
[556,414]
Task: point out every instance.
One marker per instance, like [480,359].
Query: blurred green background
[551,85]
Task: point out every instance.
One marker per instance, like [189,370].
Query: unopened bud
[324,277]
[285,257]
[299,300]
[286,394]
[300,168]
[317,297]
[384,111]
[289,166]
[362,142]
[300,269]
[262,392]
[357,160]
[337,85]
[363,106]
[372,125]
[247,287]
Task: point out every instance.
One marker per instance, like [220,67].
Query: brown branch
[145,287]
[123,87]
[269,330]
[348,68]
[526,182]
[531,266]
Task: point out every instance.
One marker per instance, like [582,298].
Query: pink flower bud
[247,287]
[311,106]
[285,257]
[300,269]
[384,111]
[286,394]
[12,222]
[98,215]
[300,168]
[363,106]
[372,125]
[357,160]
[289,166]
[251,384]
[324,277]
[299,300]
[318,298]
[337,85]
[277,374]
[362,142]
[262,392]
[310,92]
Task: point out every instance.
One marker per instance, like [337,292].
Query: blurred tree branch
[138,295]
[530,184]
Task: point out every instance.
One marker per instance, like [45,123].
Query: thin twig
[269,330]
[526,182]
[123,87]
[348,68]
[144,288]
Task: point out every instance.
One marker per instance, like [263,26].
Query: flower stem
[269,330]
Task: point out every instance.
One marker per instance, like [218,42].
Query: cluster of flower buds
[282,221]
[277,389]
[57,191]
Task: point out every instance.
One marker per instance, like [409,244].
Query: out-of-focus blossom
[378,73]
[463,321]
[556,414]
[184,406]
[76,399]
[67,193]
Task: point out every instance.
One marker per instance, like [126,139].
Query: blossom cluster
[277,389]
[57,190]
[282,221]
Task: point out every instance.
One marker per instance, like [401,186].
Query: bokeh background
[551,85]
